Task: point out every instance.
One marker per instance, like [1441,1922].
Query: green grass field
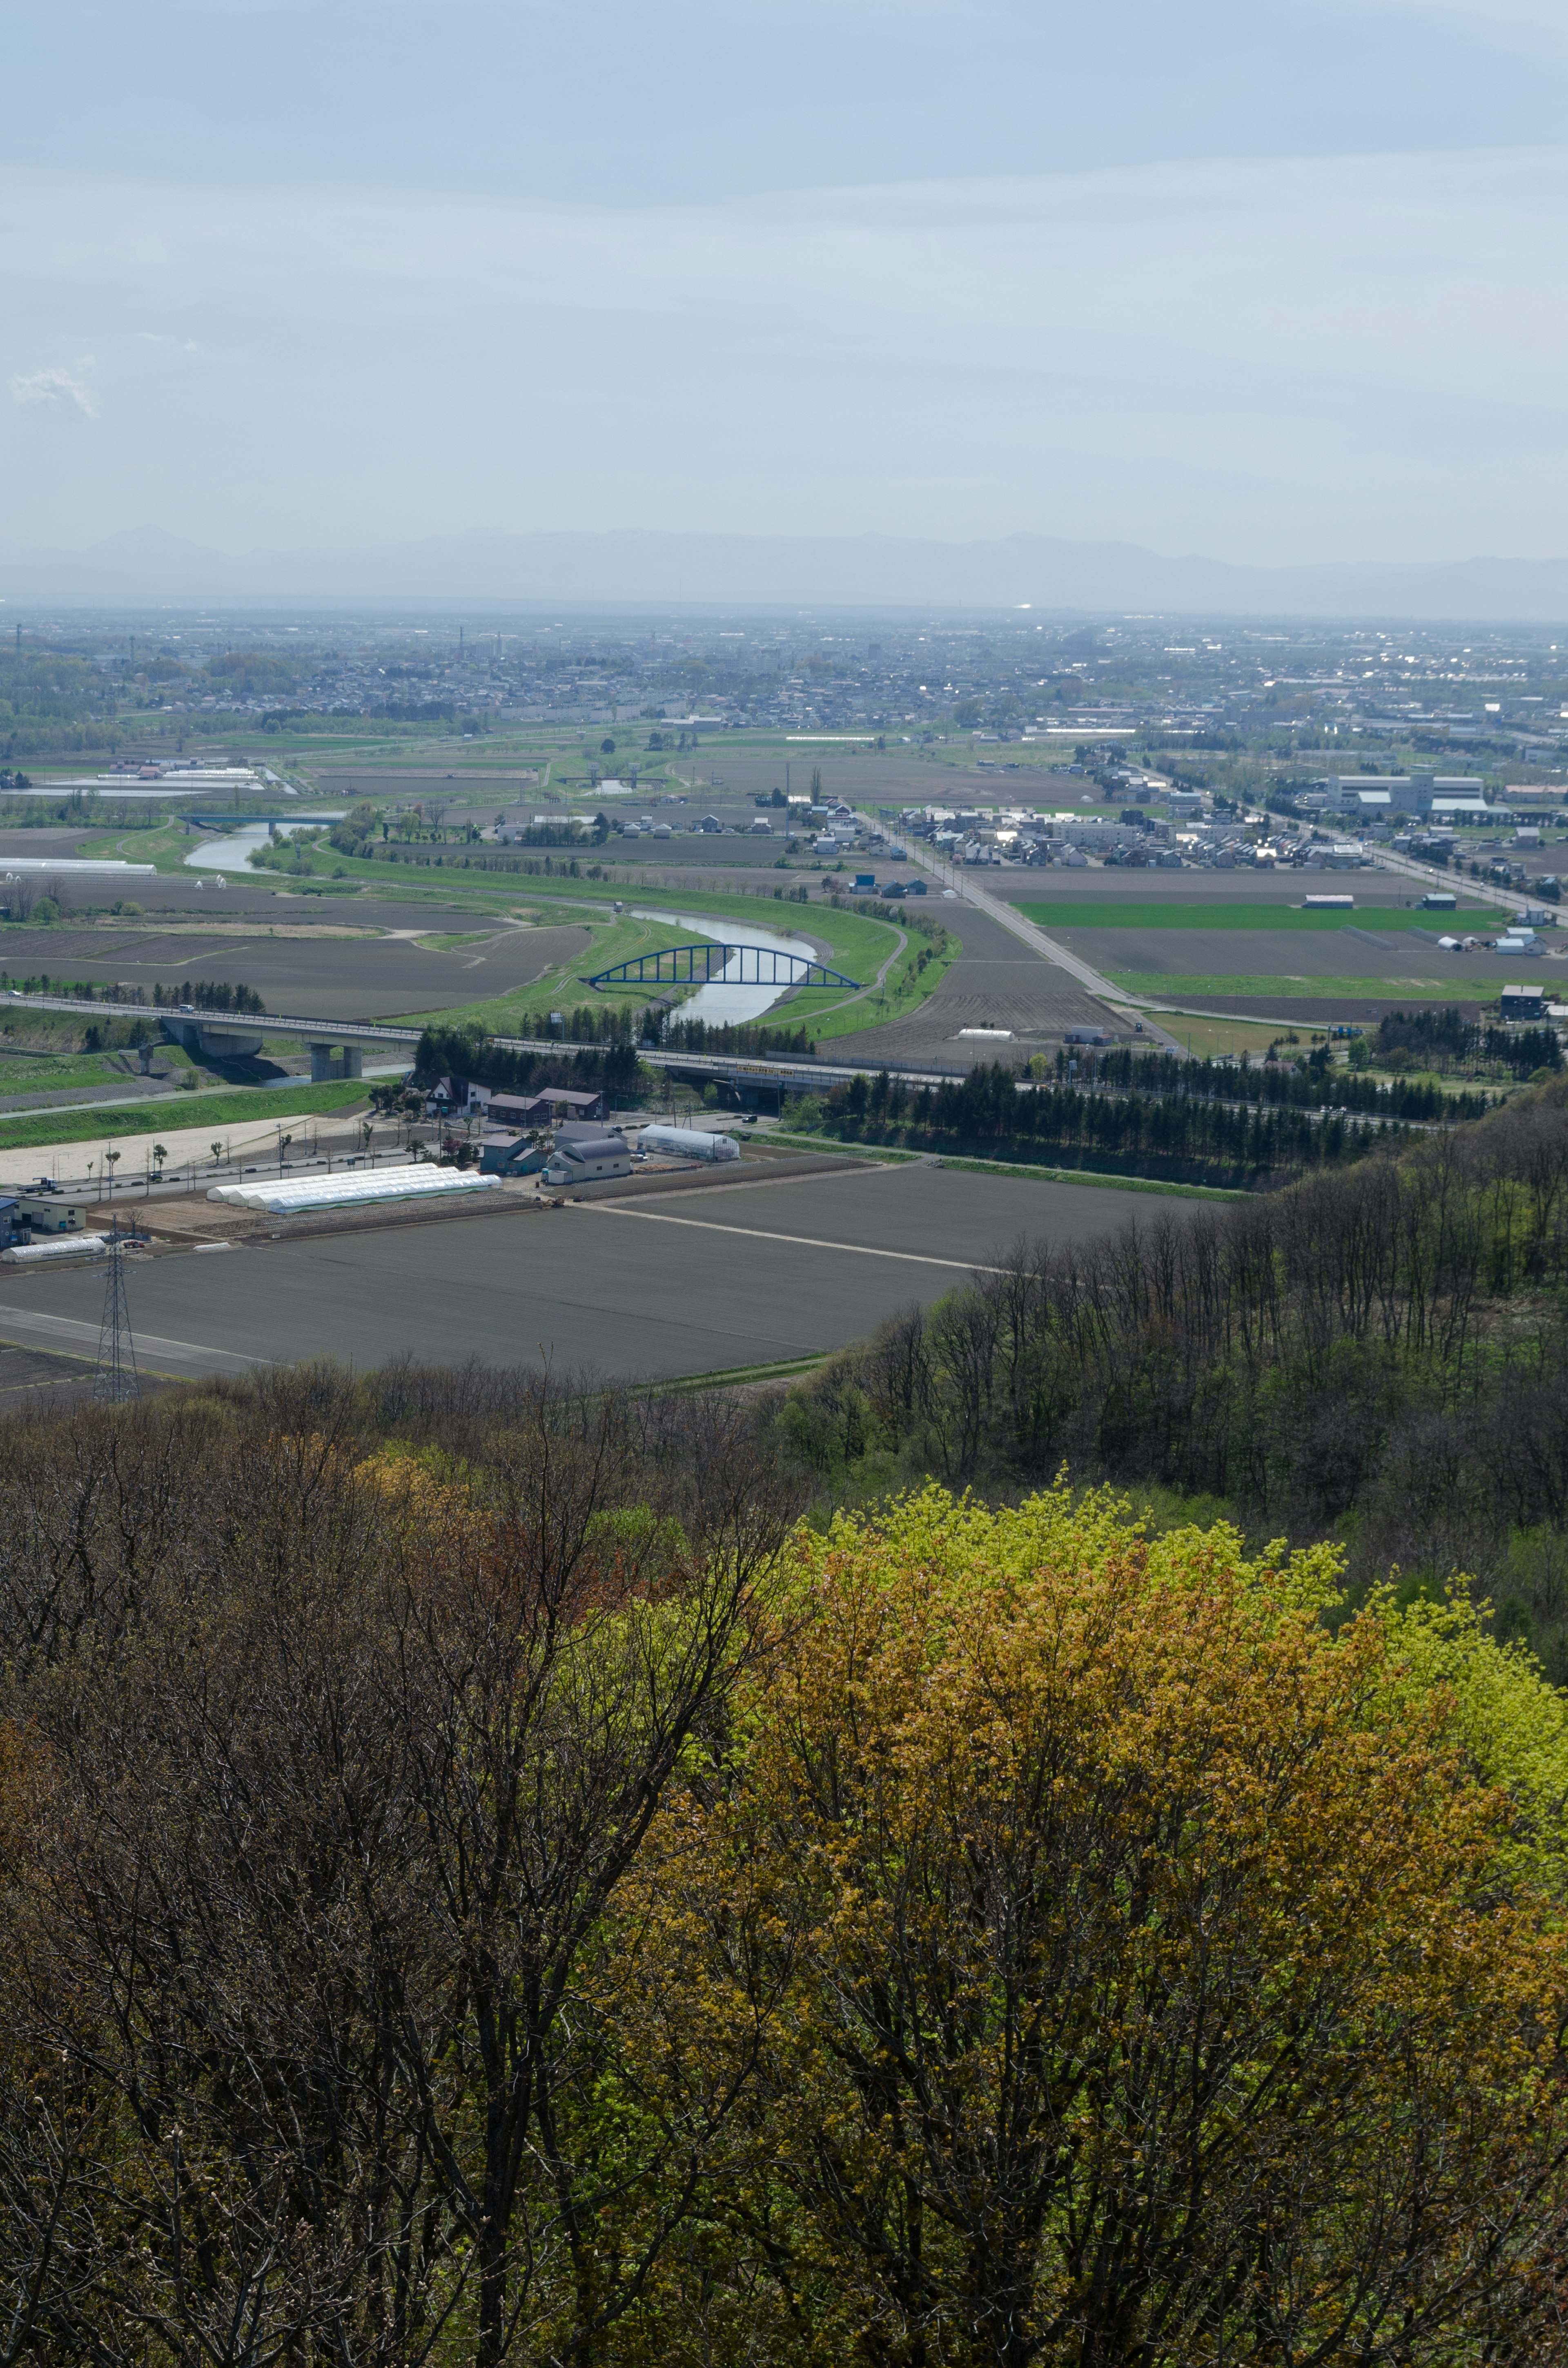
[616,938]
[220,1110]
[1159,986]
[860,945]
[1091,913]
[45,1072]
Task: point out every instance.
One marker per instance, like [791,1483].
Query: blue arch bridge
[699,965]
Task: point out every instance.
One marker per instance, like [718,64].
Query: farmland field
[1242,948]
[1094,912]
[705,1281]
[1277,986]
[1377,953]
[333,977]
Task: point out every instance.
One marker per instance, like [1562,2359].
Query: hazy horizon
[1272,287]
[871,574]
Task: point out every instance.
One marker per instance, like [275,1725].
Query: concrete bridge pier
[211,1040]
[326,1063]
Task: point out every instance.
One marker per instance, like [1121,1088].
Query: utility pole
[116,1382]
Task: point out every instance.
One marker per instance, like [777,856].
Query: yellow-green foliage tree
[477,1887]
[1121,1962]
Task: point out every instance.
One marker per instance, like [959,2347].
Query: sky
[1273,281]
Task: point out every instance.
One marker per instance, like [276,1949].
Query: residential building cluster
[1023,679]
[1159,841]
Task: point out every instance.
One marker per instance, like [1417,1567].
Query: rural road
[1049,949]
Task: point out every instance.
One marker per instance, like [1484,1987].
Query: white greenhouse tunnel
[288,1197]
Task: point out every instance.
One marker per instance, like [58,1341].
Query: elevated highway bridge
[754,1076]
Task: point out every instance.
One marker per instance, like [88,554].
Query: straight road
[1049,949]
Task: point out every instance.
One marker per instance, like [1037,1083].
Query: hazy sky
[1271,280]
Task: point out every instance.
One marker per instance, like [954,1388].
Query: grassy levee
[220,1110]
[859,944]
[913,976]
[565,988]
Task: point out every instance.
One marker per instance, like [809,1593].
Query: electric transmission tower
[116,1379]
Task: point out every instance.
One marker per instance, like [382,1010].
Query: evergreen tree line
[35,736]
[1315,1085]
[548,867]
[565,833]
[607,1038]
[667,1029]
[623,1023]
[533,867]
[1447,1038]
[208,995]
[82,989]
[1173,1136]
[1378,1354]
[606,1063]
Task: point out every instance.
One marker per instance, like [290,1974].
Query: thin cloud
[54,391]
[182,345]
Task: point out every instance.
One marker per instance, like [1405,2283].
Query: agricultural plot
[1238,948]
[706,1281]
[1254,987]
[1257,953]
[325,977]
[1067,914]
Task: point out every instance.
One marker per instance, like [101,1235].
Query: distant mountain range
[879,572]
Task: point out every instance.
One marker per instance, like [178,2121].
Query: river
[722,1004]
[233,852]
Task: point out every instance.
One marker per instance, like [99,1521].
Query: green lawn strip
[1158,986]
[733,1376]
[880,1153]
[218,1109]
[143,841]
[1091,913]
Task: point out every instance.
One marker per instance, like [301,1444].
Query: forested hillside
[1378,1354]
[481,1886]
